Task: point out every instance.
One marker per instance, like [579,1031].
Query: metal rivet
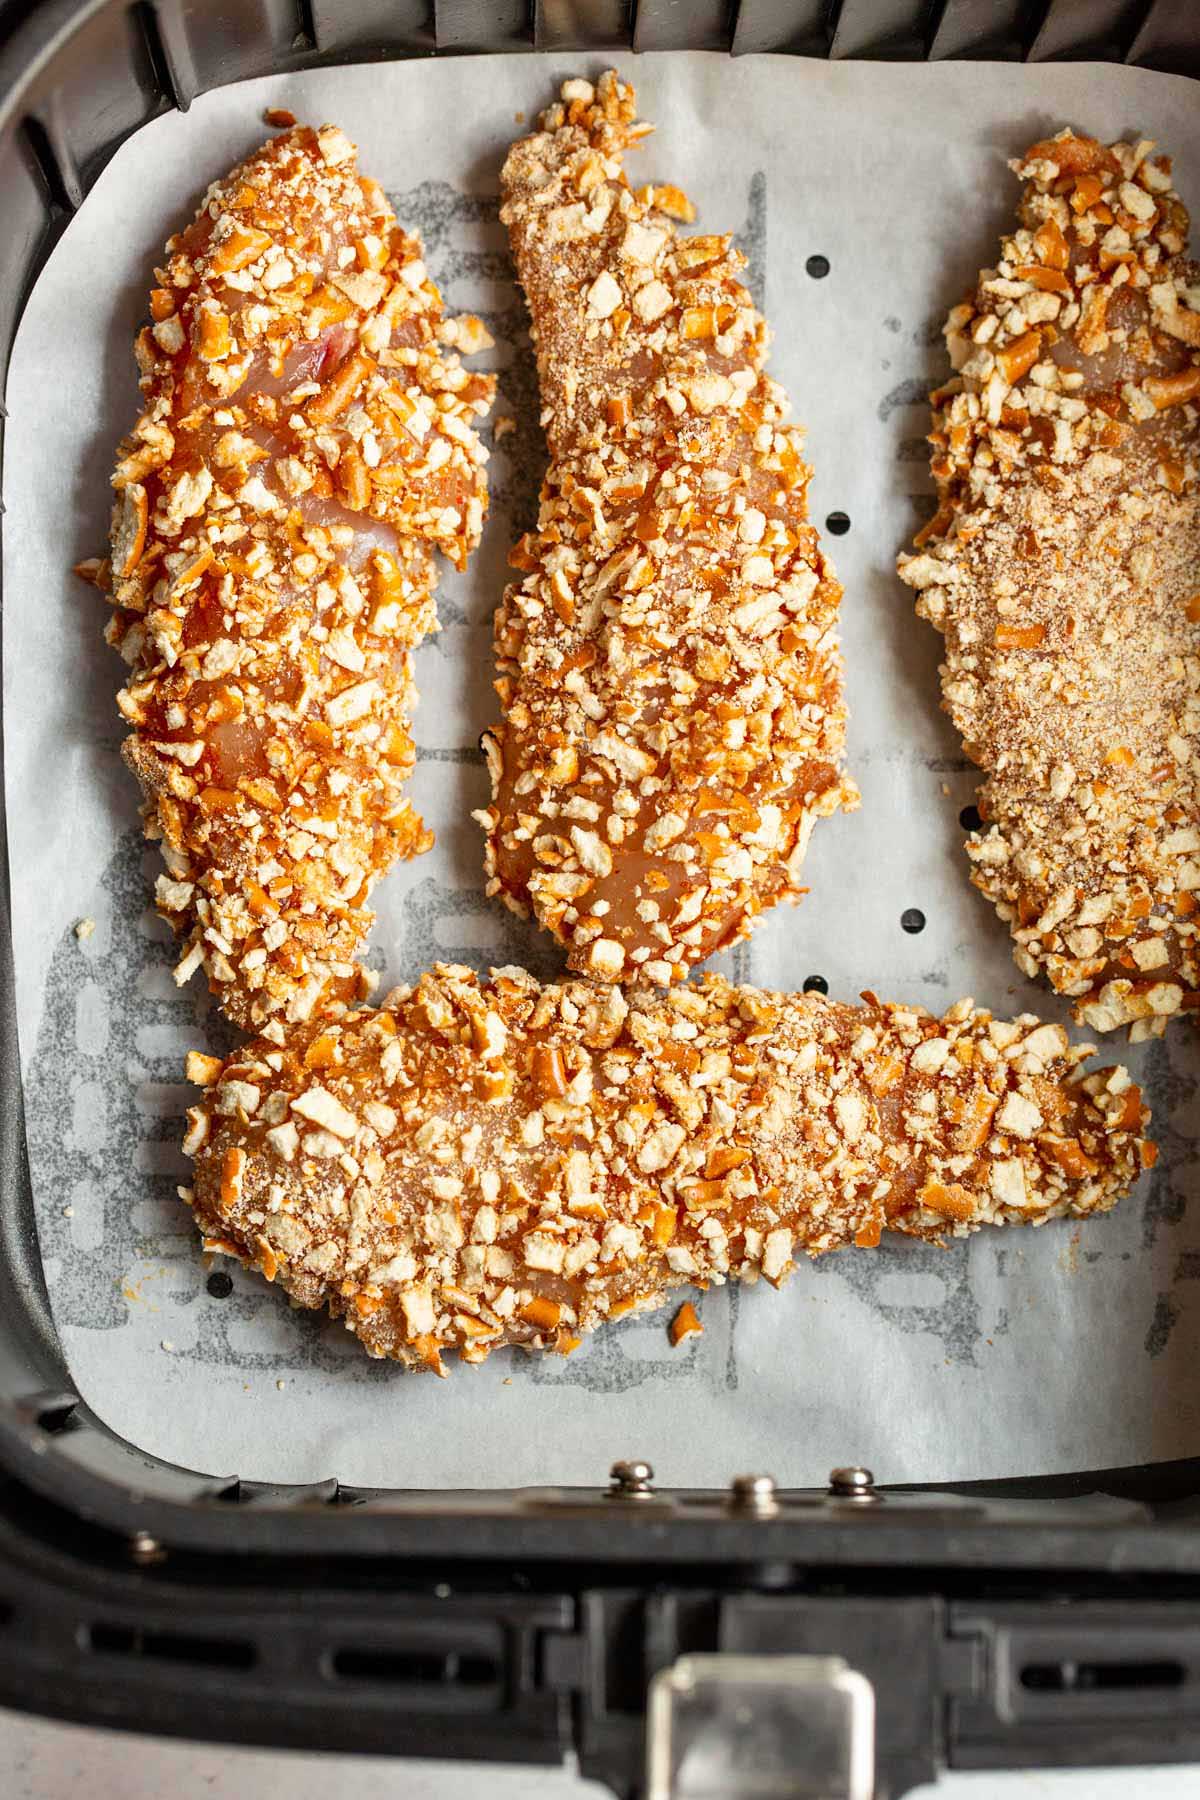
[145,1549]
[754,1494]
[631,1480]
[852,1484]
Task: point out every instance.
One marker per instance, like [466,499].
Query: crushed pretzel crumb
[686,1323]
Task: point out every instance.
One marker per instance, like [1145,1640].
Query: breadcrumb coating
[1063,568]
[488,1162]
[670,679]
[306,444]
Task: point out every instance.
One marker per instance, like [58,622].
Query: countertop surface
[40,1760]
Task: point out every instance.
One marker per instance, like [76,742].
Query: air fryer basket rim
[152,57]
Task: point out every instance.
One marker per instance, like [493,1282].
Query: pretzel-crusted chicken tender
[480,1163]
[670,679]
[306,445]
[1063,568]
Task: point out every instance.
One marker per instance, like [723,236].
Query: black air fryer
[853,1639]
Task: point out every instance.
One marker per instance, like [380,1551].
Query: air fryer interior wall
[929,1365]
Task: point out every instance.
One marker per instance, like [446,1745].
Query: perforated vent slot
[416,1668]
[170,1646]
[57,1415]
[49,167]
[1067,1677]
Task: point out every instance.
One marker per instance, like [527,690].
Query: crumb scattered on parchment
[68,1212]
[281,1385]
[686,1323]
[132,1290]
[1068,1256]
[166,1344]
[279,116]
[84,928]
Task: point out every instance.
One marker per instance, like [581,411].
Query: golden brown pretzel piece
[307,442]
[1063,568]
[480,1163]
[670,679]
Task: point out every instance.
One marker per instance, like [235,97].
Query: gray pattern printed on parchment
[105,1095]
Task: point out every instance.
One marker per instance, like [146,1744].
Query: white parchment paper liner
[1020,1352]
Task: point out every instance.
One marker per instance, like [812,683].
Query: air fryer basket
[522,1625]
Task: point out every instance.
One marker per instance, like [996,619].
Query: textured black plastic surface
[140,1594]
